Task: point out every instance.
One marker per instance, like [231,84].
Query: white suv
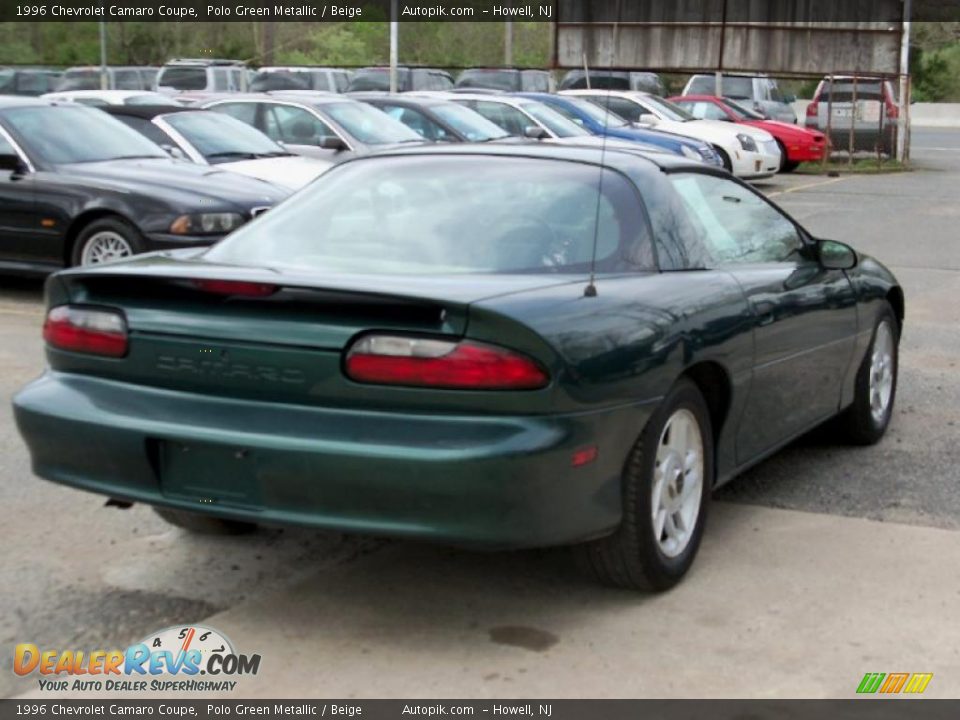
[203,75]
[759,91]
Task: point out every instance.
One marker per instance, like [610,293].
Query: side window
[705,111]
[342,80]
[507,117]
[244,112]
[295,125]
[735,224]
[416,121]
[127,80]
[620,106]
[220,81]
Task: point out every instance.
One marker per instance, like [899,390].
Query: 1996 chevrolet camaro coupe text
[413,346]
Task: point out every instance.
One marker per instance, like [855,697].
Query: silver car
[873,116]
[759,92]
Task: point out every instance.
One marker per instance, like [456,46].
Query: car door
[804,316]
[20,228]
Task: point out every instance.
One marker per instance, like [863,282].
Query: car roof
[303,97]
[7,101]
[147,112]
[628,94]
[618,158]
[398,98]
[118,94]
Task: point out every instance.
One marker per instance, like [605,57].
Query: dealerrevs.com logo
[191,658]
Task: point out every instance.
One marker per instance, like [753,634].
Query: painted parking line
[807,186]
[17,311]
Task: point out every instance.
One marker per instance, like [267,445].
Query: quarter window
[734,224]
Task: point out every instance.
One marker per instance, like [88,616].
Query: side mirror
[174,152]
[332,142]
[835,255]
[533,132]
[789,99]
[11,163]
[648,119]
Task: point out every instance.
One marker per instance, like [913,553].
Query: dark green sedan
[503,347]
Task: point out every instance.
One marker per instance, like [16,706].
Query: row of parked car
[91,176]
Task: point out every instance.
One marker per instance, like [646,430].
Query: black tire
[727,165]
[784,160]
[204,524]
[632,557]
[858,423]
[112,224]
[790,167]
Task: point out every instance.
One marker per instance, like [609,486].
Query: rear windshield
[606,81]
[733,87]
[843,91]
[183,78]
[376,79]
[79,80]
[449,214]
[491,79]
[280,80]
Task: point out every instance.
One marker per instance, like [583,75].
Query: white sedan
[210,138]
[749,153]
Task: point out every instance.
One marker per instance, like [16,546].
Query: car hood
[714,131]
[180,183]
[783,130]
[291,172]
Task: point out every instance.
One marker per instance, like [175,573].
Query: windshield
[553,121]
[368,125]
[473,126]
[419,215]
[183,78]
[221,138]
[667,109]
[596,112]
[508,80]
[741,112]
[93,135]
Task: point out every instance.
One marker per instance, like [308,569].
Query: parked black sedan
[78,187]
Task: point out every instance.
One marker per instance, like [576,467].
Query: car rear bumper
[475,480]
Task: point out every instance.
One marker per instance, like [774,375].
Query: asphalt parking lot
[821,564]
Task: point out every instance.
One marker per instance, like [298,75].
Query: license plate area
[209,474]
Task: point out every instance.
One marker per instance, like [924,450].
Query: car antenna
[591,289]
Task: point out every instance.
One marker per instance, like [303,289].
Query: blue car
[593,118]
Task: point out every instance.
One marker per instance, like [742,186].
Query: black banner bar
[563,11]
[858,709]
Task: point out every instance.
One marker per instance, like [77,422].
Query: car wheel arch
[714,383]
[896,300]
[81,221]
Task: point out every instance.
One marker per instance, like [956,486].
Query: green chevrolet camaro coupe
[499,347]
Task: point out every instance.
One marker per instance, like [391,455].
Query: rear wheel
[106,240]
[666,489]
[789,167]
[204,524]
[866,420]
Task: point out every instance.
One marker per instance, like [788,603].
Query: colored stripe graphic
[871,682]
[918,683]
[894,682]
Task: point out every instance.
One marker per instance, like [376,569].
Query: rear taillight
[812,109]
[427,362]
[234,287]
[86,330]
[893,112]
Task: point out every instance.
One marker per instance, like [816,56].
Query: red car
[797,144]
